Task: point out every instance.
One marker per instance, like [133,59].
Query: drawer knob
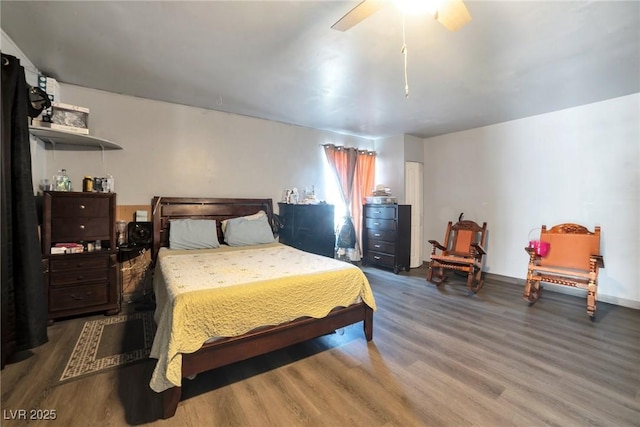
[378,212]
[77,298]
[81,206]
[82,226]
[377,258]
[376,246]
[376,234]
[376,223]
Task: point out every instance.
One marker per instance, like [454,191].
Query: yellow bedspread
[224,292]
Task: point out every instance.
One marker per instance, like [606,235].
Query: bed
[234,337]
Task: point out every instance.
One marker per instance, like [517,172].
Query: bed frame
[229,350]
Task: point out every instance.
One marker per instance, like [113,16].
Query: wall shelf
[71,140]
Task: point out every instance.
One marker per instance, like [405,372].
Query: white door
[413,195]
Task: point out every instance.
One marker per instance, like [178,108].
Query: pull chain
[404,52]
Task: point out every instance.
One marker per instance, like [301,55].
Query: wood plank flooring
[438,358]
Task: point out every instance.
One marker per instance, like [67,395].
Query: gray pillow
[193,234]
[244,231]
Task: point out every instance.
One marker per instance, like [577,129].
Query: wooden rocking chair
[573,259]
[463,250]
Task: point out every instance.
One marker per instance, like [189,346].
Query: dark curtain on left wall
[24,304]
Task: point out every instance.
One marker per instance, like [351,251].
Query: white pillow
[257,215]
[193,234]
[242,231]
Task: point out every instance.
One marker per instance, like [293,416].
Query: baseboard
[568,290]
[503,279]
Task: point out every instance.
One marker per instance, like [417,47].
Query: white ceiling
[280,60]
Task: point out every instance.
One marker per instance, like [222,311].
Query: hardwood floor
[438,358]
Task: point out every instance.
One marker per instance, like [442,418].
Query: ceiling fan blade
[358,14]
[453,14]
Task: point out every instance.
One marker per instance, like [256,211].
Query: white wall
[8,47]
[390,164]
[413,149]
[176,150]
[392,153]
[578,165]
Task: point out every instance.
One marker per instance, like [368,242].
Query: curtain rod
[340,147]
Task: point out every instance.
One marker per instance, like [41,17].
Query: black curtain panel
[24,304]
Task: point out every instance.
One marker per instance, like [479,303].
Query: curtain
[364,182]
[24,304]
[343,162]
[355,172]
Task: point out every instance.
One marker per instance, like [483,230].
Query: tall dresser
[84,282]
[386,236]
[310,228]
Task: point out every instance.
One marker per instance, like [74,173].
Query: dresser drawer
[380,246]
[380,224]
[80,207]
[77,296]
[65,229]
[77,263]
[78,277]
[380,258]
[380,212]
[387,236]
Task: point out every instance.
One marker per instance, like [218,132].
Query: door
[413,173]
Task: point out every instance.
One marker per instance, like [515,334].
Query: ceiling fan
[453,14]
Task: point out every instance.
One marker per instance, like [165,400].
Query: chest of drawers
[308,227]
[386,236]
[84,282]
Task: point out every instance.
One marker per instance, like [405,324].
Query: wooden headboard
[164,209]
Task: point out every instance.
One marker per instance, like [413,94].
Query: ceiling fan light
[453,14]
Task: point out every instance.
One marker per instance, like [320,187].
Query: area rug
[110,342]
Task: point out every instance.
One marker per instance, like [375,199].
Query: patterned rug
[110,342]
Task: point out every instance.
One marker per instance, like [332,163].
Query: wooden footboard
[229,350]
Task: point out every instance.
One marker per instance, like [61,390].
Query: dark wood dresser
[310,228]
[84,282]
[386,236]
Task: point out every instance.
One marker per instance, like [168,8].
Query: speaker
[140,234]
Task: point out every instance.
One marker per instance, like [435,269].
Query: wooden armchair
[573,260]
[462,250]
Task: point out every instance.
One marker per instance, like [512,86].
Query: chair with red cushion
[462,250]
